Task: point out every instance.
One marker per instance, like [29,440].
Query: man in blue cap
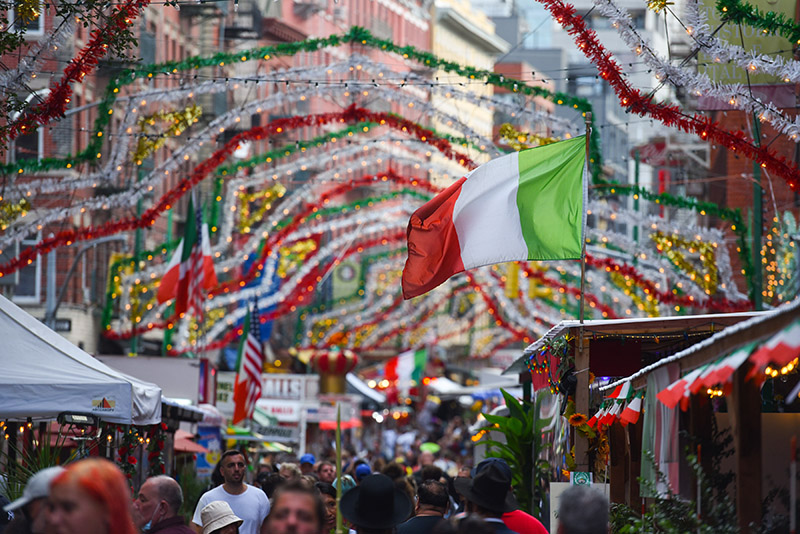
[307,462]
[362,471]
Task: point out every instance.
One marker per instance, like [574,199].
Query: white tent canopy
[44,375]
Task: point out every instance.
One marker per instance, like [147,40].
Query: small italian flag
[406,367]
[527,205]
[630,415]
[622,392]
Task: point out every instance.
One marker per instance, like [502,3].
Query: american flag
[248,382]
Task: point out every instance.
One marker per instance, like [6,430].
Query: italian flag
[175,282]
[527,205]
[621,392]
[672,394]
[630,415]
[406,367]
[779,350]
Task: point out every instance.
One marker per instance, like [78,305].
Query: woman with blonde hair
[91,497]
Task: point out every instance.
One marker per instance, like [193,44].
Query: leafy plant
[192,487]
[522,430]
[19,467]
[670,514]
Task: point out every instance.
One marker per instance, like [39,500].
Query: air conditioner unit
[340,12]
[306,8]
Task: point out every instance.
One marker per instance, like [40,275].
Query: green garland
[769,22]
[355,35]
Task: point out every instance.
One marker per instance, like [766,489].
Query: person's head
[218,518]
[290,471]
[394,470]
[488,493]
[233,467]
[328,494]
[35,498]
[362,471]
[296,509]
[159,498]
[432,497]
[269,482]
[431,472]
[426,458]
[582,510]
[376,505]
[326,472]
[307,462]
[91,497]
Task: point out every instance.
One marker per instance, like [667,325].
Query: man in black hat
[376,506]
[487,495]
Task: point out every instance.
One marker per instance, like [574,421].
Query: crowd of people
[92,496]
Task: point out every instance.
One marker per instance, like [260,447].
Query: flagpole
[588,123]
[339,518]
[582,360]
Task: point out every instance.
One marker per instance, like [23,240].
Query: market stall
[45,375]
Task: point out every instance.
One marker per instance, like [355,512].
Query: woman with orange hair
[91,497]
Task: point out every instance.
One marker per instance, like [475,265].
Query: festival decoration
[695,82]
[9,211]
[148,218]
[178,121]
[671,245]
[355,35]
[670,115]
[520,140]
[704,39]
[739,12]
[333,365]
[16,78]
[246,220]
[84,63]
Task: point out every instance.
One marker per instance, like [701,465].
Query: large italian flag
[527,205]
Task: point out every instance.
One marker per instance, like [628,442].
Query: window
[32,23]
[28,146]
[28,290]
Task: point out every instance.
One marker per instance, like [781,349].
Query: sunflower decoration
[577,419]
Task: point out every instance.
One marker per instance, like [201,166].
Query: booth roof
[633,326]
[44,375]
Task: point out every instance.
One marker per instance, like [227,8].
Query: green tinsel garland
[769,22]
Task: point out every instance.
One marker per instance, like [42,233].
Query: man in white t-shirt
[247,502]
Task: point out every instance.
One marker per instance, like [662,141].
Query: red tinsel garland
[667,297]
[641,104]
[55,105]
[493,307]
[350,115]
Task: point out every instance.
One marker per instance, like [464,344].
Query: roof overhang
[623,327]
[488,42]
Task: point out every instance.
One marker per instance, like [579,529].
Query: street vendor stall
[45,375]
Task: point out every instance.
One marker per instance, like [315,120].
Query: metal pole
[636,159]
[50,308]
[758,222]
[583,237]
